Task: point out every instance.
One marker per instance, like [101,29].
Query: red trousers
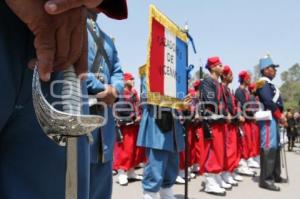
[232,156]
[202,147]
[194,154]
[250,140]
[246,140]
[216,149]
[126,154]
[239,148]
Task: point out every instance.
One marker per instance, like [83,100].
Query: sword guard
[59,125]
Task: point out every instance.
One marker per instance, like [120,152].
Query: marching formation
[229,132]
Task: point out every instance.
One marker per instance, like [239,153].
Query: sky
[238,31]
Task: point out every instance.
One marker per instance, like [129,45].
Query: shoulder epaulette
[260,83]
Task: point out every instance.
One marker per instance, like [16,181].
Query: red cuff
[277,114]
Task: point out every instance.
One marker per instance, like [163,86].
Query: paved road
[248,189]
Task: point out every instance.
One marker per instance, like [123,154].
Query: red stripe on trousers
[267,134]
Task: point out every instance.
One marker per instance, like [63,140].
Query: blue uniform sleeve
[266,97]
[117,74]
[94,86]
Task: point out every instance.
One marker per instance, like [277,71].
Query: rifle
[119,133]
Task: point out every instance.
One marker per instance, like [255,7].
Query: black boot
[267,165]
[293,142]
[277,169]
[290,144]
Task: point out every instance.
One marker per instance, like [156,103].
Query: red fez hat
[115,9]
[244,75]
[196,84]
[212,62]
[227,70]
[252,87]
[128,76]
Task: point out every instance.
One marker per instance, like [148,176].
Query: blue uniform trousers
[101,180]
[161,170]
[269,152]
[269,134]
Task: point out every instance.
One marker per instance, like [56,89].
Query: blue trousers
[31,165]
[101,181]
[269,134]
[161,170]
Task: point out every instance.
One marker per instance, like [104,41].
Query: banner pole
[186,163]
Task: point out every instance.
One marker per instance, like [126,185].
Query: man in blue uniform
[270,97]
[105,82]
[31,165]
[162,138]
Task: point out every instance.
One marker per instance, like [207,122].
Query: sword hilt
[71,92]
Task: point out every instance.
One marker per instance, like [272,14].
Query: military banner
[165,70]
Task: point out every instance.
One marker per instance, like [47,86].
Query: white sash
[277,92]
[263,115]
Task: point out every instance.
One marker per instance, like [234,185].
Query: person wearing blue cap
[269,96]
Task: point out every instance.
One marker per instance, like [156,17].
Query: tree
[285,76]
[290,89]
[294,72]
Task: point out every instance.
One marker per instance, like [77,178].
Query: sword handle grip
[71,91]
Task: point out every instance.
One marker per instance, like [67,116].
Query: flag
[168,75]
[167,59]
